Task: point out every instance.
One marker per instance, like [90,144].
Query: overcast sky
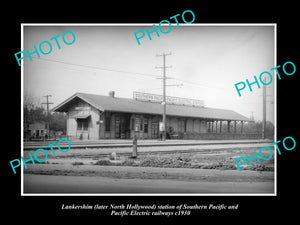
[207,60]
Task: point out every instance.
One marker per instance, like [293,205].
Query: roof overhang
[81,116]
[63,107]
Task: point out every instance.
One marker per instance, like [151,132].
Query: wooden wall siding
[93,127]
[137,119]
[194,127]
[71,126]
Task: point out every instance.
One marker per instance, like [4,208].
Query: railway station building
[92,116]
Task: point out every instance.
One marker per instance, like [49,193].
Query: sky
[206,62]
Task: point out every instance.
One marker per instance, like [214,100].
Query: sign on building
[161,126]
[170,100]
[84,108]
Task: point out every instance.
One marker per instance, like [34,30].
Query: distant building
[108,117]
[35,130]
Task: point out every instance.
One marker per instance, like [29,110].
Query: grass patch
[77,163]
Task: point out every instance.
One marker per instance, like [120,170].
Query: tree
[58,122]
[32,111]
[35,113]
[256,127]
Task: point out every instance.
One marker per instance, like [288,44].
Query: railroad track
[128,144]
[147,152]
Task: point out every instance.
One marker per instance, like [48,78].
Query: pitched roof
[107,103]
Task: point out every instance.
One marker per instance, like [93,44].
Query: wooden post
[220,126]
[134,146]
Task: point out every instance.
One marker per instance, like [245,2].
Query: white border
[151,24]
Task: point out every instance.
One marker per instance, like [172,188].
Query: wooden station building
[109,117]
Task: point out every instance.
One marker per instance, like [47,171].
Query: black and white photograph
[143,112]
[106,112]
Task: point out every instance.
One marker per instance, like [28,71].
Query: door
[154,130]
[117,127]
[122,126]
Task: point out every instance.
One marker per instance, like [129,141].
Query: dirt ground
[52,184]
[196,170]
[221,159]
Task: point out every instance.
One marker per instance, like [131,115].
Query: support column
[235,126]
[242,126]
[228,126]
[214,122]
[221,126]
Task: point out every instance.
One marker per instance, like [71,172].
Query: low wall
[218,136]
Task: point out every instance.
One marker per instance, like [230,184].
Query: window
[138,124]
[154,130]
[141,125]
[145,125]
[82,124]
[181,125]
[117,127]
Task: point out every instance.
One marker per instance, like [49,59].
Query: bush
[77,163]
[103,162]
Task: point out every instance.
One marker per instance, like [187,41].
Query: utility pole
[264,105]
[252,116]
[48,112]
[164,92]
[264,112]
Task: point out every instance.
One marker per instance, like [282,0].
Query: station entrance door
[122,126]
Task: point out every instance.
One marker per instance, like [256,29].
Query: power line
[198,84]
[127,72]
[97,68]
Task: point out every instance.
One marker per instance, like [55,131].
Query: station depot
[91,116]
